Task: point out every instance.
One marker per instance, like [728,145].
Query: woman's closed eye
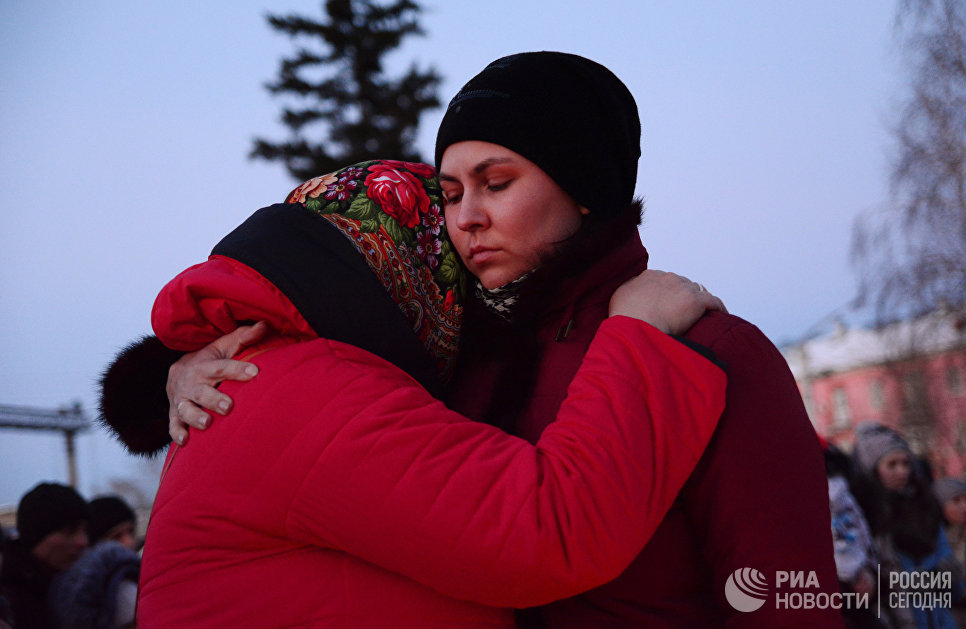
[498,186]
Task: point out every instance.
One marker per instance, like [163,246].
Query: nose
[471,213]
[80,539]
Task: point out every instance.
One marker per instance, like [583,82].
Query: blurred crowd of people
[72,564]
[890,515]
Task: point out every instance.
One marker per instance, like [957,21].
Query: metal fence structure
[69,420]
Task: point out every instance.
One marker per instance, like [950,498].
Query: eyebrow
[479,168]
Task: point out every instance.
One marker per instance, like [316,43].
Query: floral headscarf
[392,212]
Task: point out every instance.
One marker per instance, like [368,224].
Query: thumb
[233,342]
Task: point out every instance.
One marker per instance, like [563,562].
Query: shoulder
[722,332]
[103,563]
[79,596]
[314,374]
[739,345]
[838,490]
[762,395]
[339,360]
[18,565]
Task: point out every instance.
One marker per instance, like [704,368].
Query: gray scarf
[502,299]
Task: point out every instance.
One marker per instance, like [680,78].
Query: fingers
[216,370]
[192,407]
[195,376]
[192,381]
[717,304]
[177,429]
[708,299]
[186,380]
[186,415]
[701,293]
[233,342]
[670,302]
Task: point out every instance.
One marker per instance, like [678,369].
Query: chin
[491,284]
[496,278]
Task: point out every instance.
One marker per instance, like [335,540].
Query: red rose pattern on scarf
[390,210]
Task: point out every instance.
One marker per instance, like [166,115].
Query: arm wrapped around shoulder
[398,480]
[133,403]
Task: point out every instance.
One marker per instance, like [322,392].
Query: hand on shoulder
[670,302]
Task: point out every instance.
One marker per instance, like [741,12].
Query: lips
[482,255]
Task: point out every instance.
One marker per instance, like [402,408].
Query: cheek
[902,473]
[551,233]
[886,474]
[460,240]
[450,216]
[955,513]
[559,219]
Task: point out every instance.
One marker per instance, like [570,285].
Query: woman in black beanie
[537,156]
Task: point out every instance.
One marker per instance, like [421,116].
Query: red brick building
[909,375]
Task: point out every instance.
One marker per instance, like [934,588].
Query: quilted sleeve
[477,514]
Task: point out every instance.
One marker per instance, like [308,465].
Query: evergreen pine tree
[355,112]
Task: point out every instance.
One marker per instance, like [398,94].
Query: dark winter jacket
[758,498]
[25,582]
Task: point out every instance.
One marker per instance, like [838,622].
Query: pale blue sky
[124,130]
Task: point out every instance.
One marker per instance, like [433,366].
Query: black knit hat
[106,513]
[569,115]
[47,508]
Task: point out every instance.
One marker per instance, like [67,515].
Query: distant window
[841,414]
[954,380]
[876,395]
[914,387]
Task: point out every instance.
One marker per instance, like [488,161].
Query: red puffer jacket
[758,498]
[339,493]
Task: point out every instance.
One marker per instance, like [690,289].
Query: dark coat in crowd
[98,591]
[25,582]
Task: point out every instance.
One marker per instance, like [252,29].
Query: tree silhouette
[911,253]
[350,111]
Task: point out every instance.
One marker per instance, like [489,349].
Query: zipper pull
[564,331]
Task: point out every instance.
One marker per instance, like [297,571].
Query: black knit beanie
[106,513]
[47,508]
[569,115]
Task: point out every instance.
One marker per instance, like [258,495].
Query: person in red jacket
[341,492]
[757,500]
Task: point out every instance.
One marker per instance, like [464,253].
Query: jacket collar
[615,255]
[598,282]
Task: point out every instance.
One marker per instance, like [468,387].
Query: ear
[584,211]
